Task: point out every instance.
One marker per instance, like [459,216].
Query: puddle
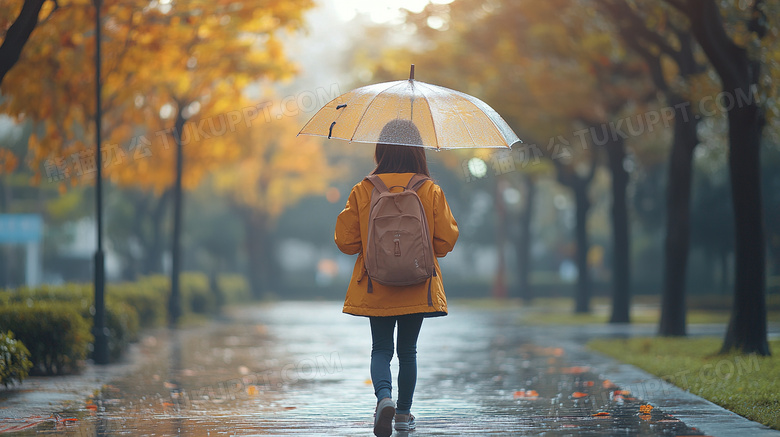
[301,368]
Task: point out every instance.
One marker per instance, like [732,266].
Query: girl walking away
[395,249]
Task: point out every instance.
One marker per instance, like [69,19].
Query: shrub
[234,288]
[122,324]
[196,295]
[14,359]
[57,336]
[158,284]
[81,294]
[149,303]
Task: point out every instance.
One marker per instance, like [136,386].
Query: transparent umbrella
[445,118]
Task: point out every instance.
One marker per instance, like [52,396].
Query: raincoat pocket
[363,271]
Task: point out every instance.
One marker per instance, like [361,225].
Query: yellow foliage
[8,161]
[274,168]
[158,60]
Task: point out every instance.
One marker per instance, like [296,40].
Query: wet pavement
[301,368]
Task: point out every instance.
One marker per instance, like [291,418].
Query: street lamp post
[100,353]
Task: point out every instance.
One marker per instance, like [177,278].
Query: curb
[695,411]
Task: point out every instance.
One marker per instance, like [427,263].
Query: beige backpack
[398,246]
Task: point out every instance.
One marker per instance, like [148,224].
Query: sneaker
[404,422]
[383,418]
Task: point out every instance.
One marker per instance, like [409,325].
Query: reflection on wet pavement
[302,369]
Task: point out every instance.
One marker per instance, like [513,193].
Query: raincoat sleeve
[347,233]
[445,228]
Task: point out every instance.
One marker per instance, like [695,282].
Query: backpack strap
[416,181]
[377,182]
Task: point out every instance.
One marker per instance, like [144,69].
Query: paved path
[301,368]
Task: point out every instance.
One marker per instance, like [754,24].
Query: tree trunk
[174,302]
[5,250]
[523,246]
[621,255]
[263,269]
[747,330]
[582,206]
[579,186]
[18,34]
[154,253]
[499,285]
[678,200]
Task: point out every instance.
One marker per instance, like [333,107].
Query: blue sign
[21,228]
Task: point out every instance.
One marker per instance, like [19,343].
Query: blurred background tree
[274,172]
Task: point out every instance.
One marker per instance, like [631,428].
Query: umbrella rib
[461,118]
[468,97]
[392,84]
[433,122]
[466,125]
[492,123]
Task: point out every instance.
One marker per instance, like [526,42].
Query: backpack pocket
[400,252]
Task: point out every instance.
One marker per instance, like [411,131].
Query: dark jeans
[382,352]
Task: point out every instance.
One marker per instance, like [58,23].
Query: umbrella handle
[411,73]
[330,131]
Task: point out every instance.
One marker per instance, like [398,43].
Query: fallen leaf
[601,414]
[575,370]
[92,407]
[645,409]
[526,394]
[578,394]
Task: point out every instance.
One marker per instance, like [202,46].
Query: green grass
[560,311]
[747,385]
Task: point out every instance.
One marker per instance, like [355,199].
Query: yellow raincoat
[385,300]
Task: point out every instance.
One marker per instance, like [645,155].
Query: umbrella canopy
[446,119]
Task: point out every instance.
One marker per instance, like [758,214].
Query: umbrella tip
[411,73]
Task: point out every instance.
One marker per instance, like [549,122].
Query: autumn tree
[740,74]
[550,69]
[17,32]
[274,170]
[218,58]
[564,56]
[655,37]
[476,51]
[174,75]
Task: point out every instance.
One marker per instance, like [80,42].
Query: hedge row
[55,322]
[14,359]
[56,334]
